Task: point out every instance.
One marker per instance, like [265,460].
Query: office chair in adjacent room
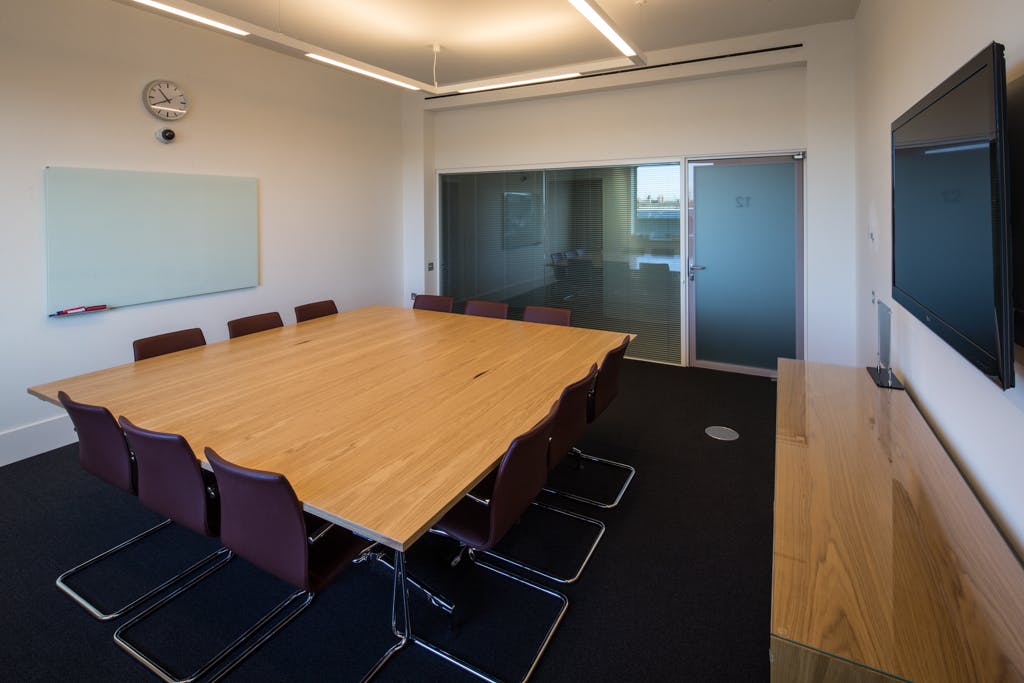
[262,521]
[548,315]
[239,327]
[487,309]
[317,309]
[104,452]
[169,342]
[434,302]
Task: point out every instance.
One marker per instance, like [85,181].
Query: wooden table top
[381,418]
[882,553]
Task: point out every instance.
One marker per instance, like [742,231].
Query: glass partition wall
[601,241]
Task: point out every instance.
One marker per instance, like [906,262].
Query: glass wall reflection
[603,242]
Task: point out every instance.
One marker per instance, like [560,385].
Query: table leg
[406,635]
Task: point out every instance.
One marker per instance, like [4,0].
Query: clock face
[165,100]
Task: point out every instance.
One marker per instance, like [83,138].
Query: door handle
[693,268]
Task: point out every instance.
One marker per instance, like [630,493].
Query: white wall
[904,49]
[325,145]
[730,107]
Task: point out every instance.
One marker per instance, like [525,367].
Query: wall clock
[165,100]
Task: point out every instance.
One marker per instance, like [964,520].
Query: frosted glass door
[743,272]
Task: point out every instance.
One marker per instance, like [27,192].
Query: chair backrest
[433,302]
[570,418]
[261,520]
[559,265]
[607,385]
[547,315]
[521,476]
[239,327]
[169,342]
[170,480]
[317,309]
[487,309]
[102,450]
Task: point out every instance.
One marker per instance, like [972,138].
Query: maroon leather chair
[317,309]
[547,315]
[520,477]
[102,449]
[104,452]
[239,327]
[487,309]
[158,345]
[570,418]
[170,480]
[606,388]
[479,525]
[567,427]
[263,522]
[433,302]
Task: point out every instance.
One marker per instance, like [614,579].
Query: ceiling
[485,41]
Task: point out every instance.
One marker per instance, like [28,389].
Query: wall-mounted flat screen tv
[951,233]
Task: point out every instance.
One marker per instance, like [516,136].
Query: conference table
[381,418]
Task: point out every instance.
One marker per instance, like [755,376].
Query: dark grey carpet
[679,589]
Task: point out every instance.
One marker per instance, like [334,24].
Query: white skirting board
[32,439]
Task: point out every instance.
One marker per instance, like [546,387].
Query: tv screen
[951,239]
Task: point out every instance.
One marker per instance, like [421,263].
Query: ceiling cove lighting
[530,81]
[193,17]
[601,25]
[356,69]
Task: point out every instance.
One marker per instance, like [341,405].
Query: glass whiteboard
[118,238]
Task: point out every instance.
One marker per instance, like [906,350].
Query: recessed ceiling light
[529,81]
[193,17]
[599,22]
[363,72]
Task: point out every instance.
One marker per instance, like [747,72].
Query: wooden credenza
[886,566]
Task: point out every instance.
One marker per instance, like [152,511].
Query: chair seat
[468,522]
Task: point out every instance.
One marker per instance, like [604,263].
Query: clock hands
[166,98]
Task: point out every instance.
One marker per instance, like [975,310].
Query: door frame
[690,335]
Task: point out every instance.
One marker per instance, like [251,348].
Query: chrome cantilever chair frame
[170,677]
[408,637]
[550,576]
[614,502]
[97,611]
[211,665]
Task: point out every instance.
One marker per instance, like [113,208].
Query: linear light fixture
[363,72]
[529,81]
[193,17]
[599,22]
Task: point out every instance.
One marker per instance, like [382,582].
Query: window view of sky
[657,186]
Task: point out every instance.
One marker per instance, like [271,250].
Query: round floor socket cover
[722,433]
